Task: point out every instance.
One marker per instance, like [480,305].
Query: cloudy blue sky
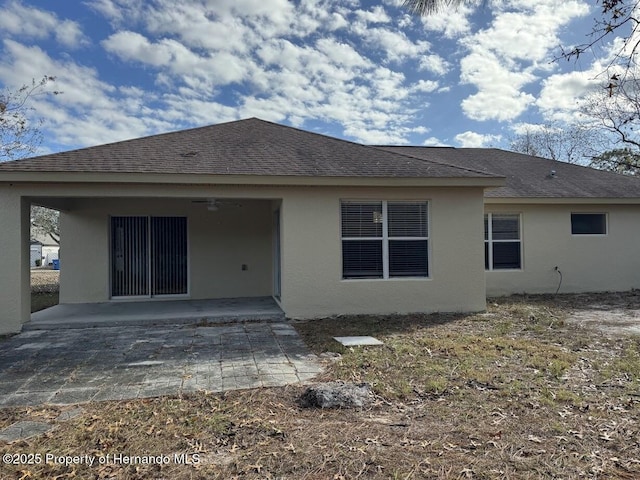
[360,70]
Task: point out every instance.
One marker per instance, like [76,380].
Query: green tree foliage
[621,160]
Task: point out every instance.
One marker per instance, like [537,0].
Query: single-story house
[49,248]
[324,226]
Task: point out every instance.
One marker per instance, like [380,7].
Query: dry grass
[511,394]
[45,285]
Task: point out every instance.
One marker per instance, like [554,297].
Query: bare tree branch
[573,144]
[45,222]
[20,136]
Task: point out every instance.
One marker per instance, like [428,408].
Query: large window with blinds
[502,242]
[384,239]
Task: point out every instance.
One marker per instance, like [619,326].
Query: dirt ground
[515,393]
[612,313]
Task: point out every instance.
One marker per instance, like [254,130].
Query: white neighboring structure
[35,253]
[48,249]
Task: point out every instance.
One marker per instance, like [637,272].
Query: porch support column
[15,281]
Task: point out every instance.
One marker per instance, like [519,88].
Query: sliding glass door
[148,256]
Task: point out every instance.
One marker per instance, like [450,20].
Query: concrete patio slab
[170,312]
[76,365]
[22,430]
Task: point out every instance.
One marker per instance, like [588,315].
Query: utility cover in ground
[357,341]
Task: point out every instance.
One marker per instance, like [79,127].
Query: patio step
[203,321]
[119,314]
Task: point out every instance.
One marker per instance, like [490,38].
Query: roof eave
[284,180]
[563,200]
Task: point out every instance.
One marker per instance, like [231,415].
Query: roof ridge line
[562,162]
[379,148]
[473,170]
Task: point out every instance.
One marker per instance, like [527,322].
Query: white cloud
[450,24]
[288,79]
[470,139]
[433,142]
[341,53]
[500,95]
[395,45]
[133,46]
[562,94]
[17,19]
[373,136]
[510,54]
[207,71]
[521,128]
[425,86]
[435,64]
[376,15]
[108,8]
[89,111]
[205,61]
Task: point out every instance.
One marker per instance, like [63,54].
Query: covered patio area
[168,312]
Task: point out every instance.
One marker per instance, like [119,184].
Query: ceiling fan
[214,204]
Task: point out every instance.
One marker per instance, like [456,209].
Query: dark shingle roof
[528,176]
[245,147]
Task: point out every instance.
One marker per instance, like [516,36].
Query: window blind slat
[505,227]
[408,258]
[407,219]
[362,258]
[362,219]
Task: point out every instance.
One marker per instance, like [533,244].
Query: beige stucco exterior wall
[312,262]
[219,244]
[15,292]
[588,263]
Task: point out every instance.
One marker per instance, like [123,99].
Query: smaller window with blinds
[382,239]
[588,224]
[502,242]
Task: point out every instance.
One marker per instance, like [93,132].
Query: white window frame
[606,224]
[386,238]
[490,241]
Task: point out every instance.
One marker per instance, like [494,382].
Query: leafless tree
[20,134]
[573,144]
[617,114]
[45,222]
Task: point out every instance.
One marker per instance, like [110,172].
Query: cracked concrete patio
[66,366]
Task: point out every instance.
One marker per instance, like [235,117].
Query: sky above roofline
[363,71]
